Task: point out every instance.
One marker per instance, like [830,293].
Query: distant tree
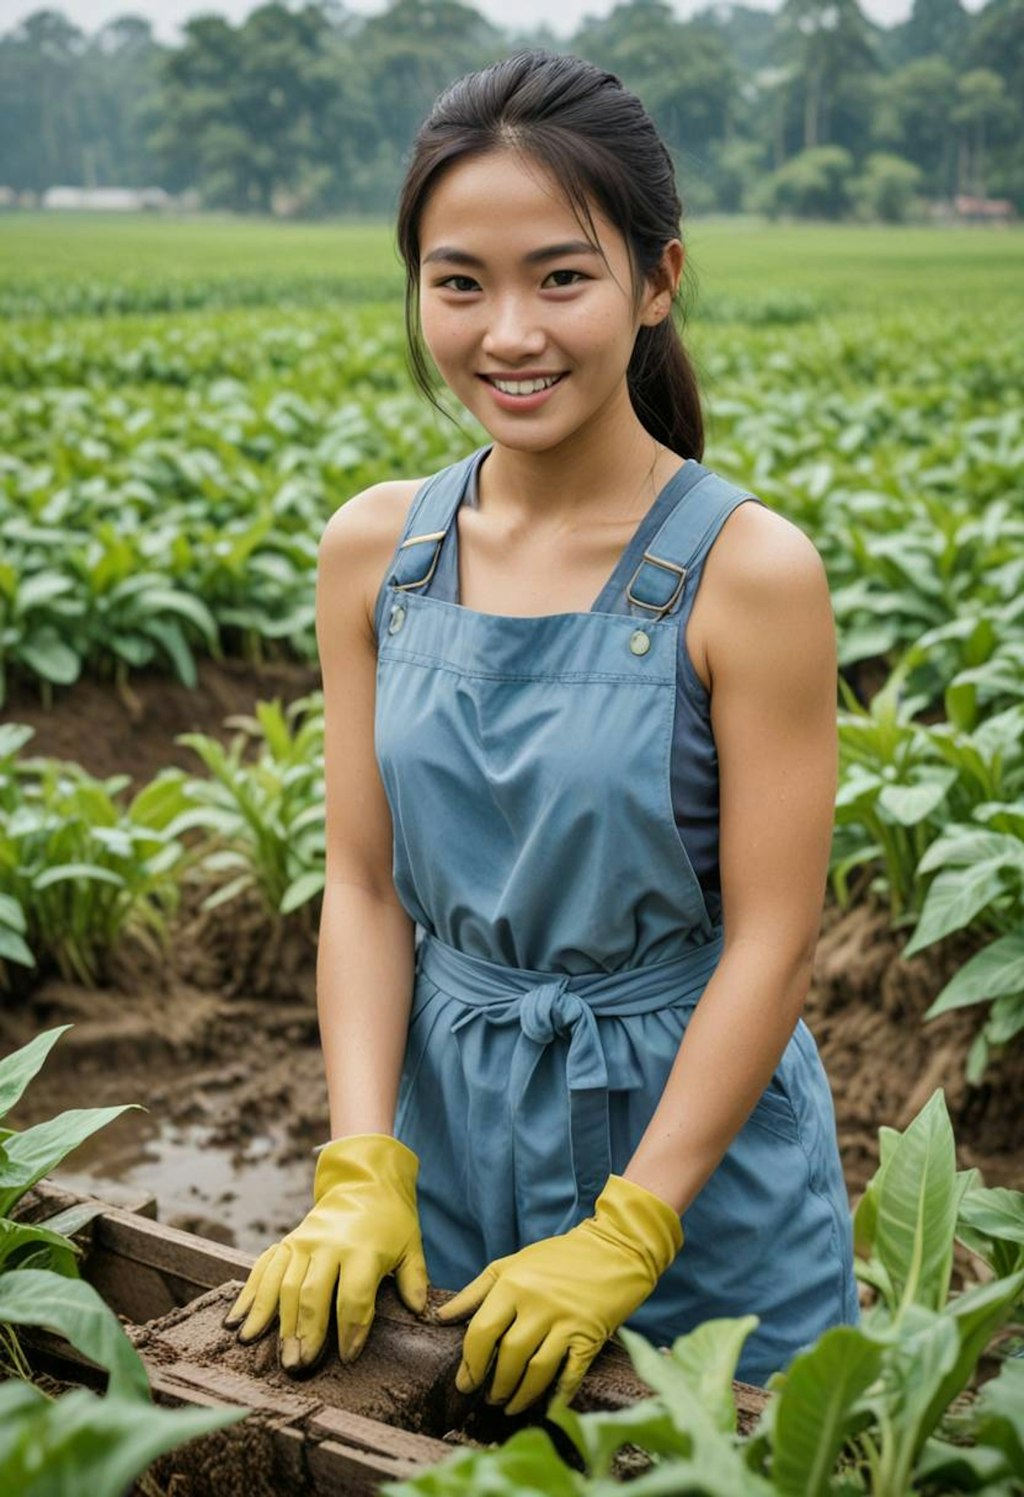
[934,28]
[120,75]
[681,70]
[40,113]
[997,42]
[887,188]
[411,51]
[829,44]
[249,110]
[981,110]
[814,184]
[914,117]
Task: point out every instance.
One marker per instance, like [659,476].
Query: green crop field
[69,261]
[184,404]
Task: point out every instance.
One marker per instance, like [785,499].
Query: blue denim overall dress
[566,940]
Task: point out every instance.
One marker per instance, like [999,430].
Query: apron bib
[566,939]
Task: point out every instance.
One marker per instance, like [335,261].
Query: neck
[596,475]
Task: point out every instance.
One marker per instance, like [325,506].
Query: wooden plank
[182,1255]
[338,1469]
[360,1433]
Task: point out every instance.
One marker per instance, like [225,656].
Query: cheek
[446,336]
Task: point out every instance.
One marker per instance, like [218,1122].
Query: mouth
[529,396]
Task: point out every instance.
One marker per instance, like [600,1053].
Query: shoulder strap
[680,543]
[426,525]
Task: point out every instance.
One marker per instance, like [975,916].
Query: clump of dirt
[865,1009]
[240,1461]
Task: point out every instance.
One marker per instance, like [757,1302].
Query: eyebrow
[550,252]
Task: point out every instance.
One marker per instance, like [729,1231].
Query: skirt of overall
[566,940]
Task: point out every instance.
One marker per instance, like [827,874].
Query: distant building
[975,210]
[107,199]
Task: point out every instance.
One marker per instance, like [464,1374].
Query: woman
[580,727]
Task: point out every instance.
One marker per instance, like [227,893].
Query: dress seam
[432,663]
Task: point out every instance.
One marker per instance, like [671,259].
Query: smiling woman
[586,1097]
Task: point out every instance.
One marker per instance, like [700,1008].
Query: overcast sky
[166,16]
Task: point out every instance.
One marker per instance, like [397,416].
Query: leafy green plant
[892,795]
[263,820]
[79,1441]
[979,880]
[80,873]
[866,1409]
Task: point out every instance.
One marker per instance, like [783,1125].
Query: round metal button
[397,619]
[639,642]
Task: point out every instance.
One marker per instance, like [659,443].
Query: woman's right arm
[365,957]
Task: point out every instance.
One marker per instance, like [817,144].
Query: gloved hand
[364,1224]
[564,1294]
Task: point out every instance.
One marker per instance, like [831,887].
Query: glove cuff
[642,1219]
[366,1158]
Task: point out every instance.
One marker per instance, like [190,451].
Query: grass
[841,268]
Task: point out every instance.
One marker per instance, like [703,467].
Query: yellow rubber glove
[564,1294]
[364,1225]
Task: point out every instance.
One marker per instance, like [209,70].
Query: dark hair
[597,141]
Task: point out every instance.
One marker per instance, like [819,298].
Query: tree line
[812,109]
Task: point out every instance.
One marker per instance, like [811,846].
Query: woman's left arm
[772,664]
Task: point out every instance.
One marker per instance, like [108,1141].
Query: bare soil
[218,1038]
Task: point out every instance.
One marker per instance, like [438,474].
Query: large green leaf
[708,1356]
[917,1208]
[942,1467]
[953,901]
[991,1223]
[922,1354]
[71,1308]
[865,1217]
[714,1454]
[1000,1414]
[20,1242]
[19,1068]
[996,970]
[83,1444]
[817,1408]
[598,1437]
[977,1314]
[32,1154]
[528,1464]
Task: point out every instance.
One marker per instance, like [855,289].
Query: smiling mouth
[549,382]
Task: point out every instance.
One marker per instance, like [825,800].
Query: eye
[447,282]
[578,273]
[449,279]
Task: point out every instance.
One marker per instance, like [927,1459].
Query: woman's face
[567,314]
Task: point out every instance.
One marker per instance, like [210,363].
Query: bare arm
[772,660]
[365,958]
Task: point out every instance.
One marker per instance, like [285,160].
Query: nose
[512,333]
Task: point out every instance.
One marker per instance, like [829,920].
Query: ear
[663,283]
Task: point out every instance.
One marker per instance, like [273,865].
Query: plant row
[929,819]
[146,523]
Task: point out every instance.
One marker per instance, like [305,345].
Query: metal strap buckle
[434,535]
[670,566]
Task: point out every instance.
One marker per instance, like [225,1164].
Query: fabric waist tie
[546,1004]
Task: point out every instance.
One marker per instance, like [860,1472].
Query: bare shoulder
[360,537]
[762,572]
[759,553]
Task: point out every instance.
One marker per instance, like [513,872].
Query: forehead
[498,205]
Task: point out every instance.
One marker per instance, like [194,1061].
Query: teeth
[524,386]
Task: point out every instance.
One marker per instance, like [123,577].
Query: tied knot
[554,1009]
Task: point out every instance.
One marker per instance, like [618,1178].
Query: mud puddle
[242,1197]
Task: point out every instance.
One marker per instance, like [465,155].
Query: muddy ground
[218,1039]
